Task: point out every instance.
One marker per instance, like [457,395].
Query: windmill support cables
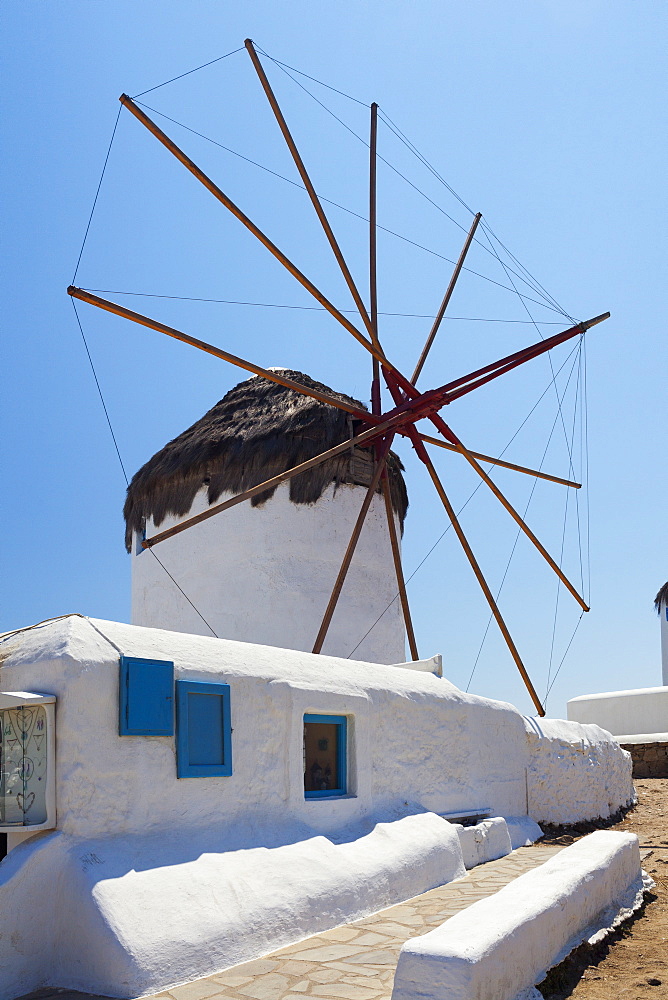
[446,299]
[303,173]
[373,429]
[190,165]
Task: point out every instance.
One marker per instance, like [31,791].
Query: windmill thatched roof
[661,598]
[256,431]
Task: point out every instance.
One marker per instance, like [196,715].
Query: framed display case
[27,761]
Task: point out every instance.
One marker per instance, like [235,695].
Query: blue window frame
[325,756]
[146,697]
[203,730]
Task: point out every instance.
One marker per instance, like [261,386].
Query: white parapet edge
[503,945]
[432,665]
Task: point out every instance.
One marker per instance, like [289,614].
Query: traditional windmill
[372,430]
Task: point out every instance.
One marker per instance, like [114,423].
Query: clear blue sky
[548,117]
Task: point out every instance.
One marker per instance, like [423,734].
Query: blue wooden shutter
[146,697]
[204,732]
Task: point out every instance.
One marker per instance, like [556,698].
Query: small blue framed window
[203,730]
[325,756]
[145,697]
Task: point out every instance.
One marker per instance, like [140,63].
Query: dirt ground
[632,964]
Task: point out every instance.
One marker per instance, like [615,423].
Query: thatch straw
[256,431]
[661,598]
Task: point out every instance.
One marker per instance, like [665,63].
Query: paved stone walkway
[357,961]
[353,962]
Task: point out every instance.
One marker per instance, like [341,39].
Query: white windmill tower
[263,573]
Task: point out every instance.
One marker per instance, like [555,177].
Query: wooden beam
[501,462]
[303,173]
[446,299]
[398,568]
[422,453]
[170,331]
[518,358]
[352,545]
[255,230]
[366,437]
[438,421]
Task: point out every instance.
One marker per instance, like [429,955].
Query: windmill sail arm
[303,173]
[421,452]
[243,218]
[501,462]
[518,358]
[352,545]
[360,439]
[249,366]
[398,569]
[446,299]
[519,520]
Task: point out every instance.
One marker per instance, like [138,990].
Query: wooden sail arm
[249,366]
[365,438]
[213,188]
[422,454]
[352,545]
[449,434]
[444,394]
[518,358]
[398,568]
[303,173]
[440,443]
[373,275]
[446,299]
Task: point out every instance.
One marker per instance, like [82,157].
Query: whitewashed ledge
[502,946]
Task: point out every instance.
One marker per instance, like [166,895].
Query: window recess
[325,756]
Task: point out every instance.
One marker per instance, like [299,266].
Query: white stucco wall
[576,771]
[640,711]
[265,574]
[416,742]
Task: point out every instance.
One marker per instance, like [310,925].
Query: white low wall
[506,943]
[642,711]
[137,916]
[576,772]
[486,841]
